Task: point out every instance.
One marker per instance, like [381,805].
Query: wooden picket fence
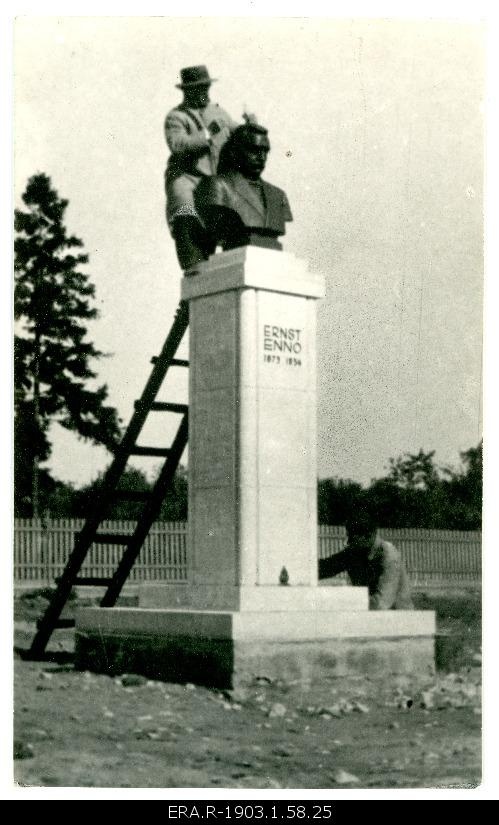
[41,550]
[432,557]
[439,556]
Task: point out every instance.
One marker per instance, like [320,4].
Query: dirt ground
[85,730]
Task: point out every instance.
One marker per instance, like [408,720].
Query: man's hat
[194,76]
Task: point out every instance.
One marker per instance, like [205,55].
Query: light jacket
[187,132]
[382,571]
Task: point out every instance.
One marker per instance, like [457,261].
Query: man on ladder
[195,130]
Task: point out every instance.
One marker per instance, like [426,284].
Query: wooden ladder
[109,492]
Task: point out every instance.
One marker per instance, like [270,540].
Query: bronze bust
[236,206]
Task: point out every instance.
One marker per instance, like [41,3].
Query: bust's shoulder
[279,198]
[275,189]
[214,191]
[230,178]
[226,182]
[219,183]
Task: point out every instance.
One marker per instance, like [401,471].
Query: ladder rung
[162,452]
[133,495]
[175,362]
[111,538]
[59,624]
[88,581]
[162,406]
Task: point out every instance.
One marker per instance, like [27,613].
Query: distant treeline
[59,500]
[414,493]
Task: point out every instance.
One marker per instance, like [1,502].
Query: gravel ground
[75,729]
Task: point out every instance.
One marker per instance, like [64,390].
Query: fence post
[45,545]
[42,547]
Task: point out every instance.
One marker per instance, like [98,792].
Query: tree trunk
[35,502]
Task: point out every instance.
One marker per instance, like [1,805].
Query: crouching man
[373,563]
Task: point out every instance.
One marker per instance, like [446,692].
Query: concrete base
[251,599]
[225,649]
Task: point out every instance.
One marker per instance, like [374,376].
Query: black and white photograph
[247,302]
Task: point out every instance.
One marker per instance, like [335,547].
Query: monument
[252,605]
[236,206]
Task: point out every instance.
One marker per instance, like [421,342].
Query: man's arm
[180,141]
[333,565]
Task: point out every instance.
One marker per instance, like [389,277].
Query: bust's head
[246,151]
[233,213]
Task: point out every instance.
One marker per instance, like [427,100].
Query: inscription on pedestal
[281,341]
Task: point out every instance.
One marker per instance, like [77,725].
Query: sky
[376,133]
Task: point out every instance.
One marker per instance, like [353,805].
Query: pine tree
[52,356]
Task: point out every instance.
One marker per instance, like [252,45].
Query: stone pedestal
[252,431]
[252,506]
[230,648]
